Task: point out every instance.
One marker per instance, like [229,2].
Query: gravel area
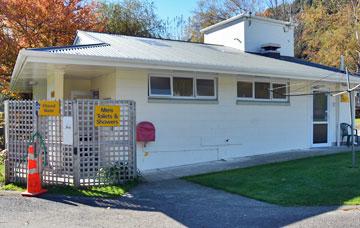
[171,203]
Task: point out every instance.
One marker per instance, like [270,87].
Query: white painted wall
[191,133]
[260,32]
[253,33]
[232,35]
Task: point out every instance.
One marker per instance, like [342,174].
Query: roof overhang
[41,61]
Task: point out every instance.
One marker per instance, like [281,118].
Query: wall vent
[271,50]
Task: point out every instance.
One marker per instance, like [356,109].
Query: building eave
[29,56]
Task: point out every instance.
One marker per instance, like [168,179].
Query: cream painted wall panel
[55,84]
[50,86]
[106,85]
[39,90]
[70,85]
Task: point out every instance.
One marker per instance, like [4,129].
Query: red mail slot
[145,132]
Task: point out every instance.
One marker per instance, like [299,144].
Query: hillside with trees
[325,29]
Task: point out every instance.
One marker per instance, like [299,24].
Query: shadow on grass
[111,191]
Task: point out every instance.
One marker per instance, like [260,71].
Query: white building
[223,99]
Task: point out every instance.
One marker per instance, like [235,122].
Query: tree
[329,31]
[40,23]
[209,12]
[176,28]
[132,17]
[355,14]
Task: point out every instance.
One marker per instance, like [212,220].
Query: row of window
[262,90]
[205,88]
[183,87]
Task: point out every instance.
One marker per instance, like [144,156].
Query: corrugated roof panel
[179,52]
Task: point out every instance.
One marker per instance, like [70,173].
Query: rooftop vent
[271,50]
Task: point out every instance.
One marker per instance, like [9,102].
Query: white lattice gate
[94,156]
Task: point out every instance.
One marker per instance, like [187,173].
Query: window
[205,87]
[279,91]
[182,87]
[262,90]
[245,89]
[160,86]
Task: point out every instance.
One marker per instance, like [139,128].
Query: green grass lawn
[324,180]
[101,191]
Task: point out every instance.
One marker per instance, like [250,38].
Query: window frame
[252,90]
[172,86]
[260,80]
[286,84]
[159,95]
[182,75]
[270,88]
[206,97]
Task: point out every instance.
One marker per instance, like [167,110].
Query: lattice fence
[98,155]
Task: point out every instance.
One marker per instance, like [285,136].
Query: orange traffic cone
[33,177]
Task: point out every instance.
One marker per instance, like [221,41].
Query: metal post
[76,168]
[352,131]
[352,120]
[6,133]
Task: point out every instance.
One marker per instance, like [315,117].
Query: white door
[320,128]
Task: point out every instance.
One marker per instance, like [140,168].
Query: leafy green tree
[132,17]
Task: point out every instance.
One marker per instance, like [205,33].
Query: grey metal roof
[169,52]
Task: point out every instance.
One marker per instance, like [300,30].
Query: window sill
[182,101]
[262,102]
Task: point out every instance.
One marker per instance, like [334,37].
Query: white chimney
[249,33]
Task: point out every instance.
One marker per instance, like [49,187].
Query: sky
[172,8]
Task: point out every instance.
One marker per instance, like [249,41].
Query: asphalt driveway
[171,203]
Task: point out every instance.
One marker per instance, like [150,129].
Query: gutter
[19,66]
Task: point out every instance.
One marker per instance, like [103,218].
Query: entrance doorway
[320,119]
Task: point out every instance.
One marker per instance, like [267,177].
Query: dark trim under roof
[302,62]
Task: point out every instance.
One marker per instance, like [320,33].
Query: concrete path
[171,203]
[215,166]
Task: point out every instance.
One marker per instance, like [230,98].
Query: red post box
[145,132]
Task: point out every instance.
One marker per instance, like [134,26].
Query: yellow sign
[49,108]
[345,98]
[107,116]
